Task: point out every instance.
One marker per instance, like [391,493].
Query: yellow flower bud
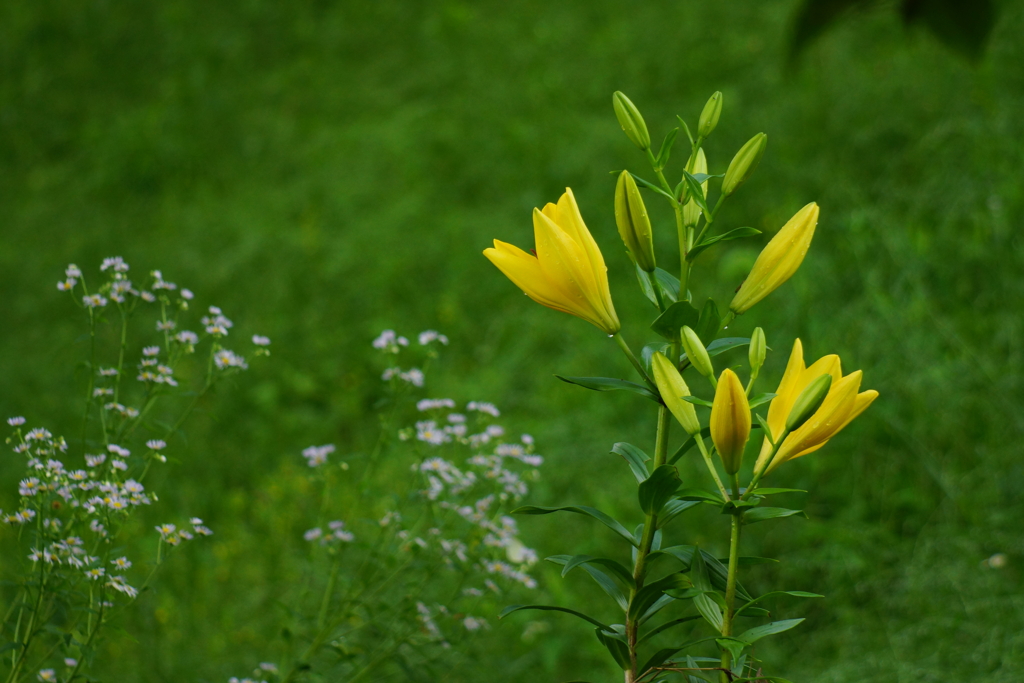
[698,164]
[779,260]
[631,121]
[709,116]
[744,163]
[696,352]
[730,420]
[633,222]
[757,351]
[808,402]
[568,272]
[672,388]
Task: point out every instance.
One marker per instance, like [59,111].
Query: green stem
[711,466]
[730,584]
[633,359]
[767,463]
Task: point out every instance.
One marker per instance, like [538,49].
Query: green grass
[324,171]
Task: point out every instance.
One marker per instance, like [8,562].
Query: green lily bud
[709,116]
[672,388]
[696,352]
[698,164]
[743,164]
[631,121]
[757,351]
[634,224]
[808,402]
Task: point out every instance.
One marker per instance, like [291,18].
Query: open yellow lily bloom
[841,406]
[568,273]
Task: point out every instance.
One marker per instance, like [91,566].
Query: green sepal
[551,608]
[618,648]
[672,320]
[761,399]
[634,457]
[657,489]
[607,520]
[666,149]
[709,322]
[734,234]
[758,632]
[761,514]
[611,384]
[688,444]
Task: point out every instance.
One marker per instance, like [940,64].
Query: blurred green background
[325,170]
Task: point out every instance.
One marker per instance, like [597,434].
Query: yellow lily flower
[568,272]
[778,260]
[730,420]
[841,406]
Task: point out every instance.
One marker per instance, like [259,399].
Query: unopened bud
[743,164]
[757,351]
[672,388]
[696,352]
[808,402]
[631,121]
[633,222]
[730,421]
[697,164]
[709,116]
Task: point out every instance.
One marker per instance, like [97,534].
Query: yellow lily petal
[825,423]
[524,271]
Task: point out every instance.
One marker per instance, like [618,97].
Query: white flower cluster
[317,455]
[335,533]
[264,669]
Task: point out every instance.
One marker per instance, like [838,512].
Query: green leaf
[616,567]
[646,285]
[648,185]
[795,594]
[758,632]
[658,605]
[673,509]
[664,627]
[609,384]
[717,571]
[747,560]
[657,489]
[731,505]
[709,323]
[672,320]
[635,458]
[761,399]
[668,282]
[601,578]
[724,344]
[704,177]
[651,593]
[707,242]
[648,352]
[687,445]
[666,148]
[769,491]
[618,648]
[608,521]
[761,514]
[697,401]
[707,607]
[700,495]
[733,645]
[686,129]
[767,430]
[515,608]
[695,192]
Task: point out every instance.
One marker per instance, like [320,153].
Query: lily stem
[633,359]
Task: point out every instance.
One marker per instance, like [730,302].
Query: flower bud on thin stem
[673,388]
[730,421]
[631,121]
[633,222]
[709,116]
[697,354]
[808,402]
[743,164]
[757,351]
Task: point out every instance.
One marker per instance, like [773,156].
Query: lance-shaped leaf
[717,571]
[761,399]
[733,234]
[573,561]
[617,647]
[607,520]
[658,605]
[759,491]
[652,592]
[795,594]
[673,509]
[758,632]
[610,384]
[552,608]
[666,148]
[695,192]
[664,627]
[707,607]
[648,185]
[672,320]
[635,457]
[709,322]
[761,514]
[657,489]
[603,580]
[700,495]
[698,401]
[732,645]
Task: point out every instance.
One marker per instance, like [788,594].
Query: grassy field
[323,171]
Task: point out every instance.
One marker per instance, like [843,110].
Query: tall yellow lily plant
[812,404]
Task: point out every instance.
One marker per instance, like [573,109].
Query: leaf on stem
[574,561]
[734,234]
[762,514]
[657,489]
[672,320]
[611,384]
[709,322]
[616,646]
[607,520]
[666,149]
[758,632]
[635,458]
[695,192]
[761,399]
[515,608]
[649,185]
